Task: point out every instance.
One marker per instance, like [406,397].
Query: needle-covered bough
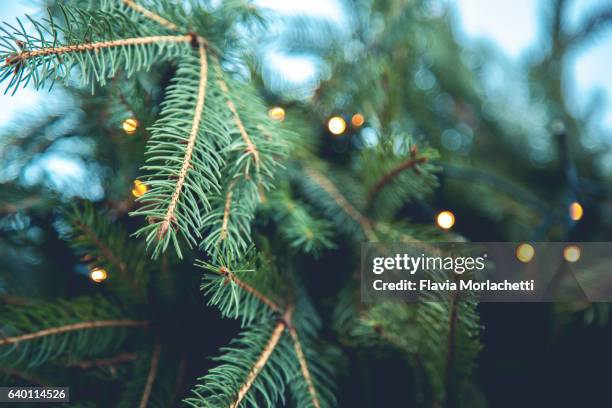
[210,160]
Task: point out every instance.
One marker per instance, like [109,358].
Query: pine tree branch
[105,362]
[73,327]
[195,127]
[106,251]
[388,177]
[450,352]
[264,356]
[157,39]
[336,195]
[251,149]
[248,288]
[151,376]
[304,367]
[151,15]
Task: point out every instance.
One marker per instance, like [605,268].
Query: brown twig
[151,376]
[151,15]
[24,55]
[24,377]
[195,127]
[73,327]
[104,362]
[227,210]
[304,367]
[263,357]
[248,288]
[394,172]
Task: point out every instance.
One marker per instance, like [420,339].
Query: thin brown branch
[304,367]
[6,299]
[227,210]
[157,39]
[251,149]
[263,357]
[151,376]
[394,172]
[73,327]
[195,127]
[248,288]
[24,377]
[330,188]
[151,15]
[105,362]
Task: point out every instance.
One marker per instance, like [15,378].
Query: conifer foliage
[244,198]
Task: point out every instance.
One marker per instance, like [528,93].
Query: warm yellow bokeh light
[139,189]
[336,125]
[445,219]
[130,126]
[357,120]
[571,253]
[277,113]
[98,274]
[576,211]
[525,253]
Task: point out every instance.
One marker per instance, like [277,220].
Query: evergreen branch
[251,149]
[389,176]
[250,289]
[195,126]
[242,290]
[264,356]
[151,376]
[151,15]
[105,244]
[157,39]
[105,362]
[77,328]
[185,150]
[296,222]
[100,43]
[104,249]
[450,350]
[304,367]
[72,327]
[342,202]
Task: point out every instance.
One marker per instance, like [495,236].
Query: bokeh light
[445,219]
[336,125]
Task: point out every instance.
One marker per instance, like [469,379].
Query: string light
[130,126]
[277,113]
[445,219]
[98,275]
[571,253]
[525,253]
[139,189]
[576,211]
[336,125]
[357,120]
